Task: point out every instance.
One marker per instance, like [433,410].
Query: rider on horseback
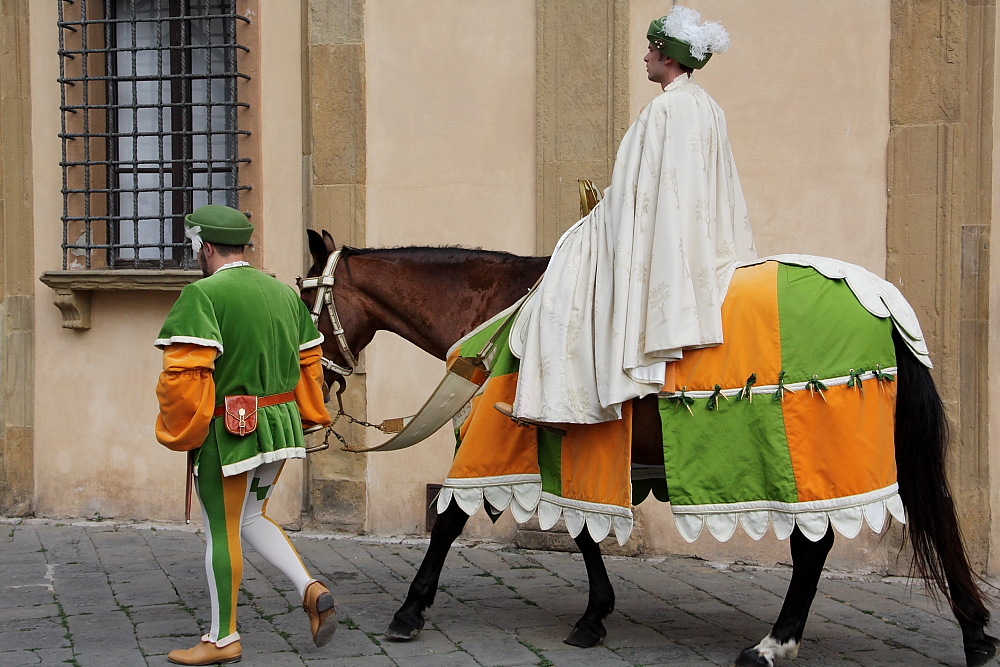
[644,275]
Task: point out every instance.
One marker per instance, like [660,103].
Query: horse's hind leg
[980,648]
[409,620]
[783,641]
[589,630]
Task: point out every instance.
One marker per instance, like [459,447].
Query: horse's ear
[317,247]
[330,245]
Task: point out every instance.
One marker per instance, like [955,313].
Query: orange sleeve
[186,392]
[309,390]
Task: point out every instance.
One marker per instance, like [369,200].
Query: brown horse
[434,296]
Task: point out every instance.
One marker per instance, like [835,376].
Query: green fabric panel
[825,330]
[504,362]
[192,315]
[737,453]
[550,461]
[212,496]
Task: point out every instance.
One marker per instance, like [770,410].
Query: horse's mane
[435,254]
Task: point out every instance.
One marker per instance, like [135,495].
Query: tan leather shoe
[507,410]
[207,653]
[318,603]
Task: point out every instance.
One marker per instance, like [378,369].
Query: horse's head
[321,246]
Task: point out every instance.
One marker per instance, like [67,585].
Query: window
[150,126]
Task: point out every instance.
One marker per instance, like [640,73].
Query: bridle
[323,284]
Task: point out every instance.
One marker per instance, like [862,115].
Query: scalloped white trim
[524,496]
[847,515]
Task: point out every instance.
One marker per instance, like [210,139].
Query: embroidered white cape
[643,276]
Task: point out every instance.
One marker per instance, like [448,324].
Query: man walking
[643,276]
[241,379]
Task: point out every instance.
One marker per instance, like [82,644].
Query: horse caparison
[434,296]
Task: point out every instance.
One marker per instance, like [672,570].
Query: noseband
[323,284]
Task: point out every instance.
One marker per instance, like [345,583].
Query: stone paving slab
[109,594]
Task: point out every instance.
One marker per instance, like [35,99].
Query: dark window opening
[150,126]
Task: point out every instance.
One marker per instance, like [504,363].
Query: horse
[434,296]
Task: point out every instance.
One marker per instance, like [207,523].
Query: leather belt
[262,402]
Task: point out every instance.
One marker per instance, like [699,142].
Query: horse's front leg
[409,620]
[808,558]
[589,630]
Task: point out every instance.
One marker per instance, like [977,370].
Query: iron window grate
[150,126]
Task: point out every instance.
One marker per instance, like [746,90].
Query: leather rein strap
[323,285]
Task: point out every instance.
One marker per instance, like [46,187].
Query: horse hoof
[751,657]
[981,651]
[584,638]
[402,632]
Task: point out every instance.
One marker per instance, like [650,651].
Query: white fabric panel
[722,526]
[599,525]
[875,515]
[783,523]
[470,500]
[574,520]
[444,499]
[528,495]
[548,514]
[848,521]
[755,523]
[895,506]
[813,524]
[520,512]
[623,529]
[689,525]
[499,496]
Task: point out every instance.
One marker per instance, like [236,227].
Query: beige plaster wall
[95,451]
[805,88]
[451,160]
[808,116]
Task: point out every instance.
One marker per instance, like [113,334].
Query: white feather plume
[683,23]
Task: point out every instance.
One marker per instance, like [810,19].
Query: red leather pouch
[241,414]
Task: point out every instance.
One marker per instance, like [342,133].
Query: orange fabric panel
[749,319]
[493,444]
[186,392]
[234,489]
[604,447]
[863,428]
[309,390]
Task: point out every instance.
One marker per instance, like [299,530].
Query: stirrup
[507,410]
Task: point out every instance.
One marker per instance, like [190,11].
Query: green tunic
[259,325]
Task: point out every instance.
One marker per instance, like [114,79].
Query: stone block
[337,22]
[338,107]
[338,503]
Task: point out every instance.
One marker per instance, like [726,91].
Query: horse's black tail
[931,524]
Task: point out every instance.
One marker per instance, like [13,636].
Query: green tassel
[882,376]
[745,392]
[815,385]
[713,400]
[779,395]
[683,399]
[855,380]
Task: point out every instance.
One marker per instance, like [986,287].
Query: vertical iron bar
[209,53]
[111,93]
[65,139]
[232,112]
[85,63]
[133,51]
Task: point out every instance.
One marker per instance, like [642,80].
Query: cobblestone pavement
[104,595]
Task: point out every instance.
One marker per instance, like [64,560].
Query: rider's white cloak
[642,277]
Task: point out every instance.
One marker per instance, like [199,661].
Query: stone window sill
[74,288]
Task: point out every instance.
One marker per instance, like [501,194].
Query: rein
[324,298]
